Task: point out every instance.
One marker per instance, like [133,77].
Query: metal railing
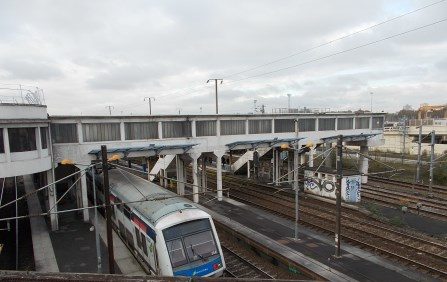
[20,94]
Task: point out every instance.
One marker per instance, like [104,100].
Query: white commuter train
[170,235]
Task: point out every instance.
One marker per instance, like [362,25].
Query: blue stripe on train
[200,270]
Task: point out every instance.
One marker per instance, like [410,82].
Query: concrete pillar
[311,158]
[122,131]
[160,130]
[80,133]
[6,145]
[364,163]
[179,167]
[52,198]
[248,169]
[85,212]
[289,167]
[219,155]
[193,129]
[328,161]
[195,182]
[203,175]
[38,142]
[148,169]
[165,180]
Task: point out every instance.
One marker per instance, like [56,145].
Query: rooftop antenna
[110,109]
[254,105]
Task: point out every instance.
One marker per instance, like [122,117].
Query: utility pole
[105,172]
[217,101]
[404,137]
[98,246]
[338,195]
[418,168]
[296,185]
[371,105]
[150,105]
[432,160]
[110,109]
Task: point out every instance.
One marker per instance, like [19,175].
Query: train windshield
[189,242]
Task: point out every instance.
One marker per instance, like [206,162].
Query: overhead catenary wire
[336,39]
[339,52]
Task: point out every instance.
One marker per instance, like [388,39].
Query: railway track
[433,208]
[422,252]
[439,192]
[239,266]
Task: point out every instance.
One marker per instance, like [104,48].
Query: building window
[306,124]
[377,122]
[345,123]
[176,129]
[206,128]
[94,132]
[260,126]
[2,146]
[64,133]
[232,127]
[362,123]
[325,124]
[284,125]
[22,139]
[141,130]
[44,137]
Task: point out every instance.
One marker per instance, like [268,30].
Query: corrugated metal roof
[252,144]
[152,147]
[356,137]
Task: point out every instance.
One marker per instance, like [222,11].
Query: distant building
[427,111]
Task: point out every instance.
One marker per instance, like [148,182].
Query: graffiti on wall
[321,184]
[353,189]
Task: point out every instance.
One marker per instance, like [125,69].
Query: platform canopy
[253,144]
[148,151]
[348,138]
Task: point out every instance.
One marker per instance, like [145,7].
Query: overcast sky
[86,55]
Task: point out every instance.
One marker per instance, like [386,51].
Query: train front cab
[192,247]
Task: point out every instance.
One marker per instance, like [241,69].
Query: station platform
[354,265]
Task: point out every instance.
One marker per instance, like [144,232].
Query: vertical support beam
[148,169]
[432,162]
[247,130]
[311,158]
[38,142]
[85,212]
[364,163]
[180,170]
[195,182]
[248,169]
[328,160]
[274,165]
[52,200]
[122,131]
[17,225]
[418,168]
[203,174]
[6,144]
[289,166]
[296,188]
[193,129]
[80,133]
[219,155]
[105,172]
[160,130]
[338,195]
[217,127]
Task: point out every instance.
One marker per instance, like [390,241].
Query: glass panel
[44,137]
[232,127]
[22,139]
[284,125]
[176,129]
[137,234]
[176,253]
[377,122]
[101,132]
[141,130]
[64,133]
[325,124]
[306,124]
[186,228]
[200,246]
[362,123]
[143,243]
[206,128]
[2,147]
[345,123]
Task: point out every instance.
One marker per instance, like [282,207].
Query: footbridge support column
[83,181]
[219,155]
[311,157]
[52,200]
[364,163]
[195,181]
[179,167]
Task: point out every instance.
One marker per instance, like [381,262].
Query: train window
[137,235]
[186,228]
[122,230]
[143,243]
[126,211]
[176,253]
[129,239]
[200,245]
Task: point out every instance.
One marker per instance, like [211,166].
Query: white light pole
[371,108]
[288,104]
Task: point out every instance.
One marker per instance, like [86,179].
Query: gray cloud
[84,53]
